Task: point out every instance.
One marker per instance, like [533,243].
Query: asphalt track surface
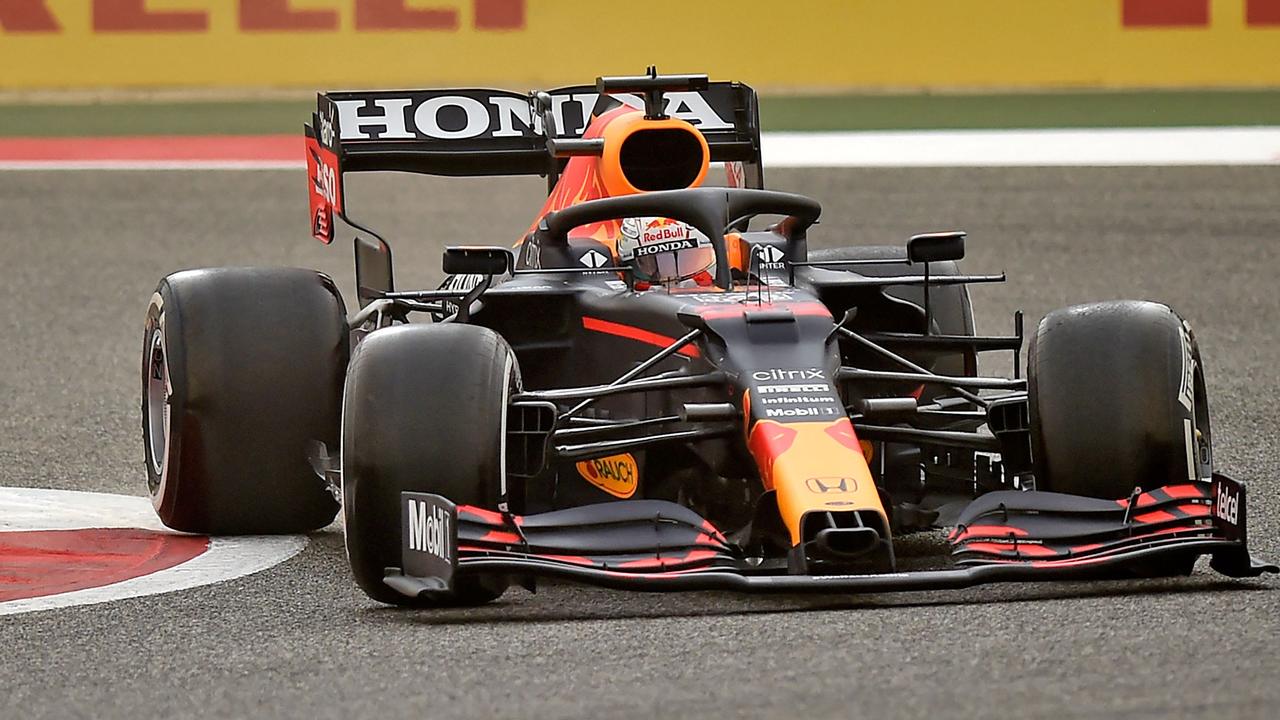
[81,253]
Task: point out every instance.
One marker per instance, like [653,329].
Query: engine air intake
[661,159]
[644,155]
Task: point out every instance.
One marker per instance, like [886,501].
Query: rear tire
[424,412]
[1117,400]
[241,369]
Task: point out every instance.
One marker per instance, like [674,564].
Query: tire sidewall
[163,321]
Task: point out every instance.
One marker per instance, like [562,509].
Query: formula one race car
[661,387]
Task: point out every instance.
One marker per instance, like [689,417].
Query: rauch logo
[617,475]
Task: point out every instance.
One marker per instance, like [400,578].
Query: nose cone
[842,542]
[817,468]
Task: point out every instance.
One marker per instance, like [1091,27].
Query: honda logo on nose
[831,484]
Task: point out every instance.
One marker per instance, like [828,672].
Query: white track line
[1004,148]
[226,559]
[38,509]
[915,148]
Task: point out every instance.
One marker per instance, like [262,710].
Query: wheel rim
[1200,420]
[157,408]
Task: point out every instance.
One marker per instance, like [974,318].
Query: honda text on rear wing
[480,132]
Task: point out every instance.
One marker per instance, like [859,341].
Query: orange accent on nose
[813,466]
[769,440]
[842,431]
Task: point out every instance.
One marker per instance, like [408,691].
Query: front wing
[656,546]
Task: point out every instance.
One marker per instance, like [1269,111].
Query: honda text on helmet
[665,251]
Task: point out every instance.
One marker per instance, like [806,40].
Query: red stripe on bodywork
[1155,516]
[658,562]
[1108,555]
[1186,491]
[490,552]
[634,333]
[476,514]
[989,531]
[1195,510]
[501,538]
[1003,548]
[571,559]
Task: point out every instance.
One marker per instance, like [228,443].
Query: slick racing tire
[949,304]
[1117,400]
[242,370]
[424,411]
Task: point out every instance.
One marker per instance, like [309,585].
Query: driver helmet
[664,251]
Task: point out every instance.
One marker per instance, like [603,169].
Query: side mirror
[933,247]
[477,260]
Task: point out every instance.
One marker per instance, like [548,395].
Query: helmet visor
[674,265]
[663,250]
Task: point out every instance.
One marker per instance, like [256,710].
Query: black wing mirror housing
[477,260]
[934,247]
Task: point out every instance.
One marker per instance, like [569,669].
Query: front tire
[1117,400]
[424,411]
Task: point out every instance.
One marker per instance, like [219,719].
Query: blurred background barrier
[809,45]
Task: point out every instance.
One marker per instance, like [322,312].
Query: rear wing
[481,132]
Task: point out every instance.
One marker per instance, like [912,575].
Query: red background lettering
[277,15]
[393,15]
[499,14]
[133,16]
[1165,13]
[26,16]
[1262,12]
[34,16]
